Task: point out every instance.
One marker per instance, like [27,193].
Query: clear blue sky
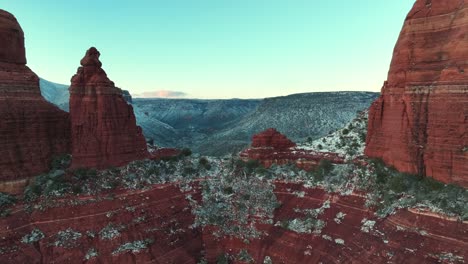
[216,48]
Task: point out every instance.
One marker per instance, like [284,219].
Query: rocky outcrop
[356,237]
[271,138]
[139,226]
[304,159]
[127,96]
[419,123]
[164,153]
[12,48]
[155,225]
[32,130]
[104,130]
[271,147]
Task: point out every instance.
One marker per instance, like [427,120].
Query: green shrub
[397,183]
[68,238]
[170,158]
[134,247]
[247,166]
[239,163]
[261,170]
[53,183]
[5,201]
[381,171]
[33,237]
[189,170]
[354,145]
[152,171]
[325,166]
[203,161]
[32,191]
[362,136]
[233,202]
[186,152]
[61,162]
[223,259]
[345,131]
[267,260]
[83,174]
[77,189]
[319,176]
[244,256]
[395,189]
[429,184]
[228,190]
[5,212]
[252,164]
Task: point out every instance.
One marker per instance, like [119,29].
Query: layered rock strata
[104,130]
[355,237]
[140,226]
[32,131]
[419,123]
[271,138]
[271,147]
[154,225]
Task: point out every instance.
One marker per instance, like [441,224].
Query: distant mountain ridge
[298,116]
[219,127]
[189,122]
[55,93]
[59,95]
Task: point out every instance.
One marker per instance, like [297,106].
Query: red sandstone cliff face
[419,124]
[104,130]
[32,130]
[12,45]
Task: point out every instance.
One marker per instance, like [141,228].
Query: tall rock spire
[104,130]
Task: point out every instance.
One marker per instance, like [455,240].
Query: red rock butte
[12,45]
[271,147]
[32,130]
[271,138]
[104,130]
[419,123]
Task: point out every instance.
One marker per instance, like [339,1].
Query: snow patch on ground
[349,141]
